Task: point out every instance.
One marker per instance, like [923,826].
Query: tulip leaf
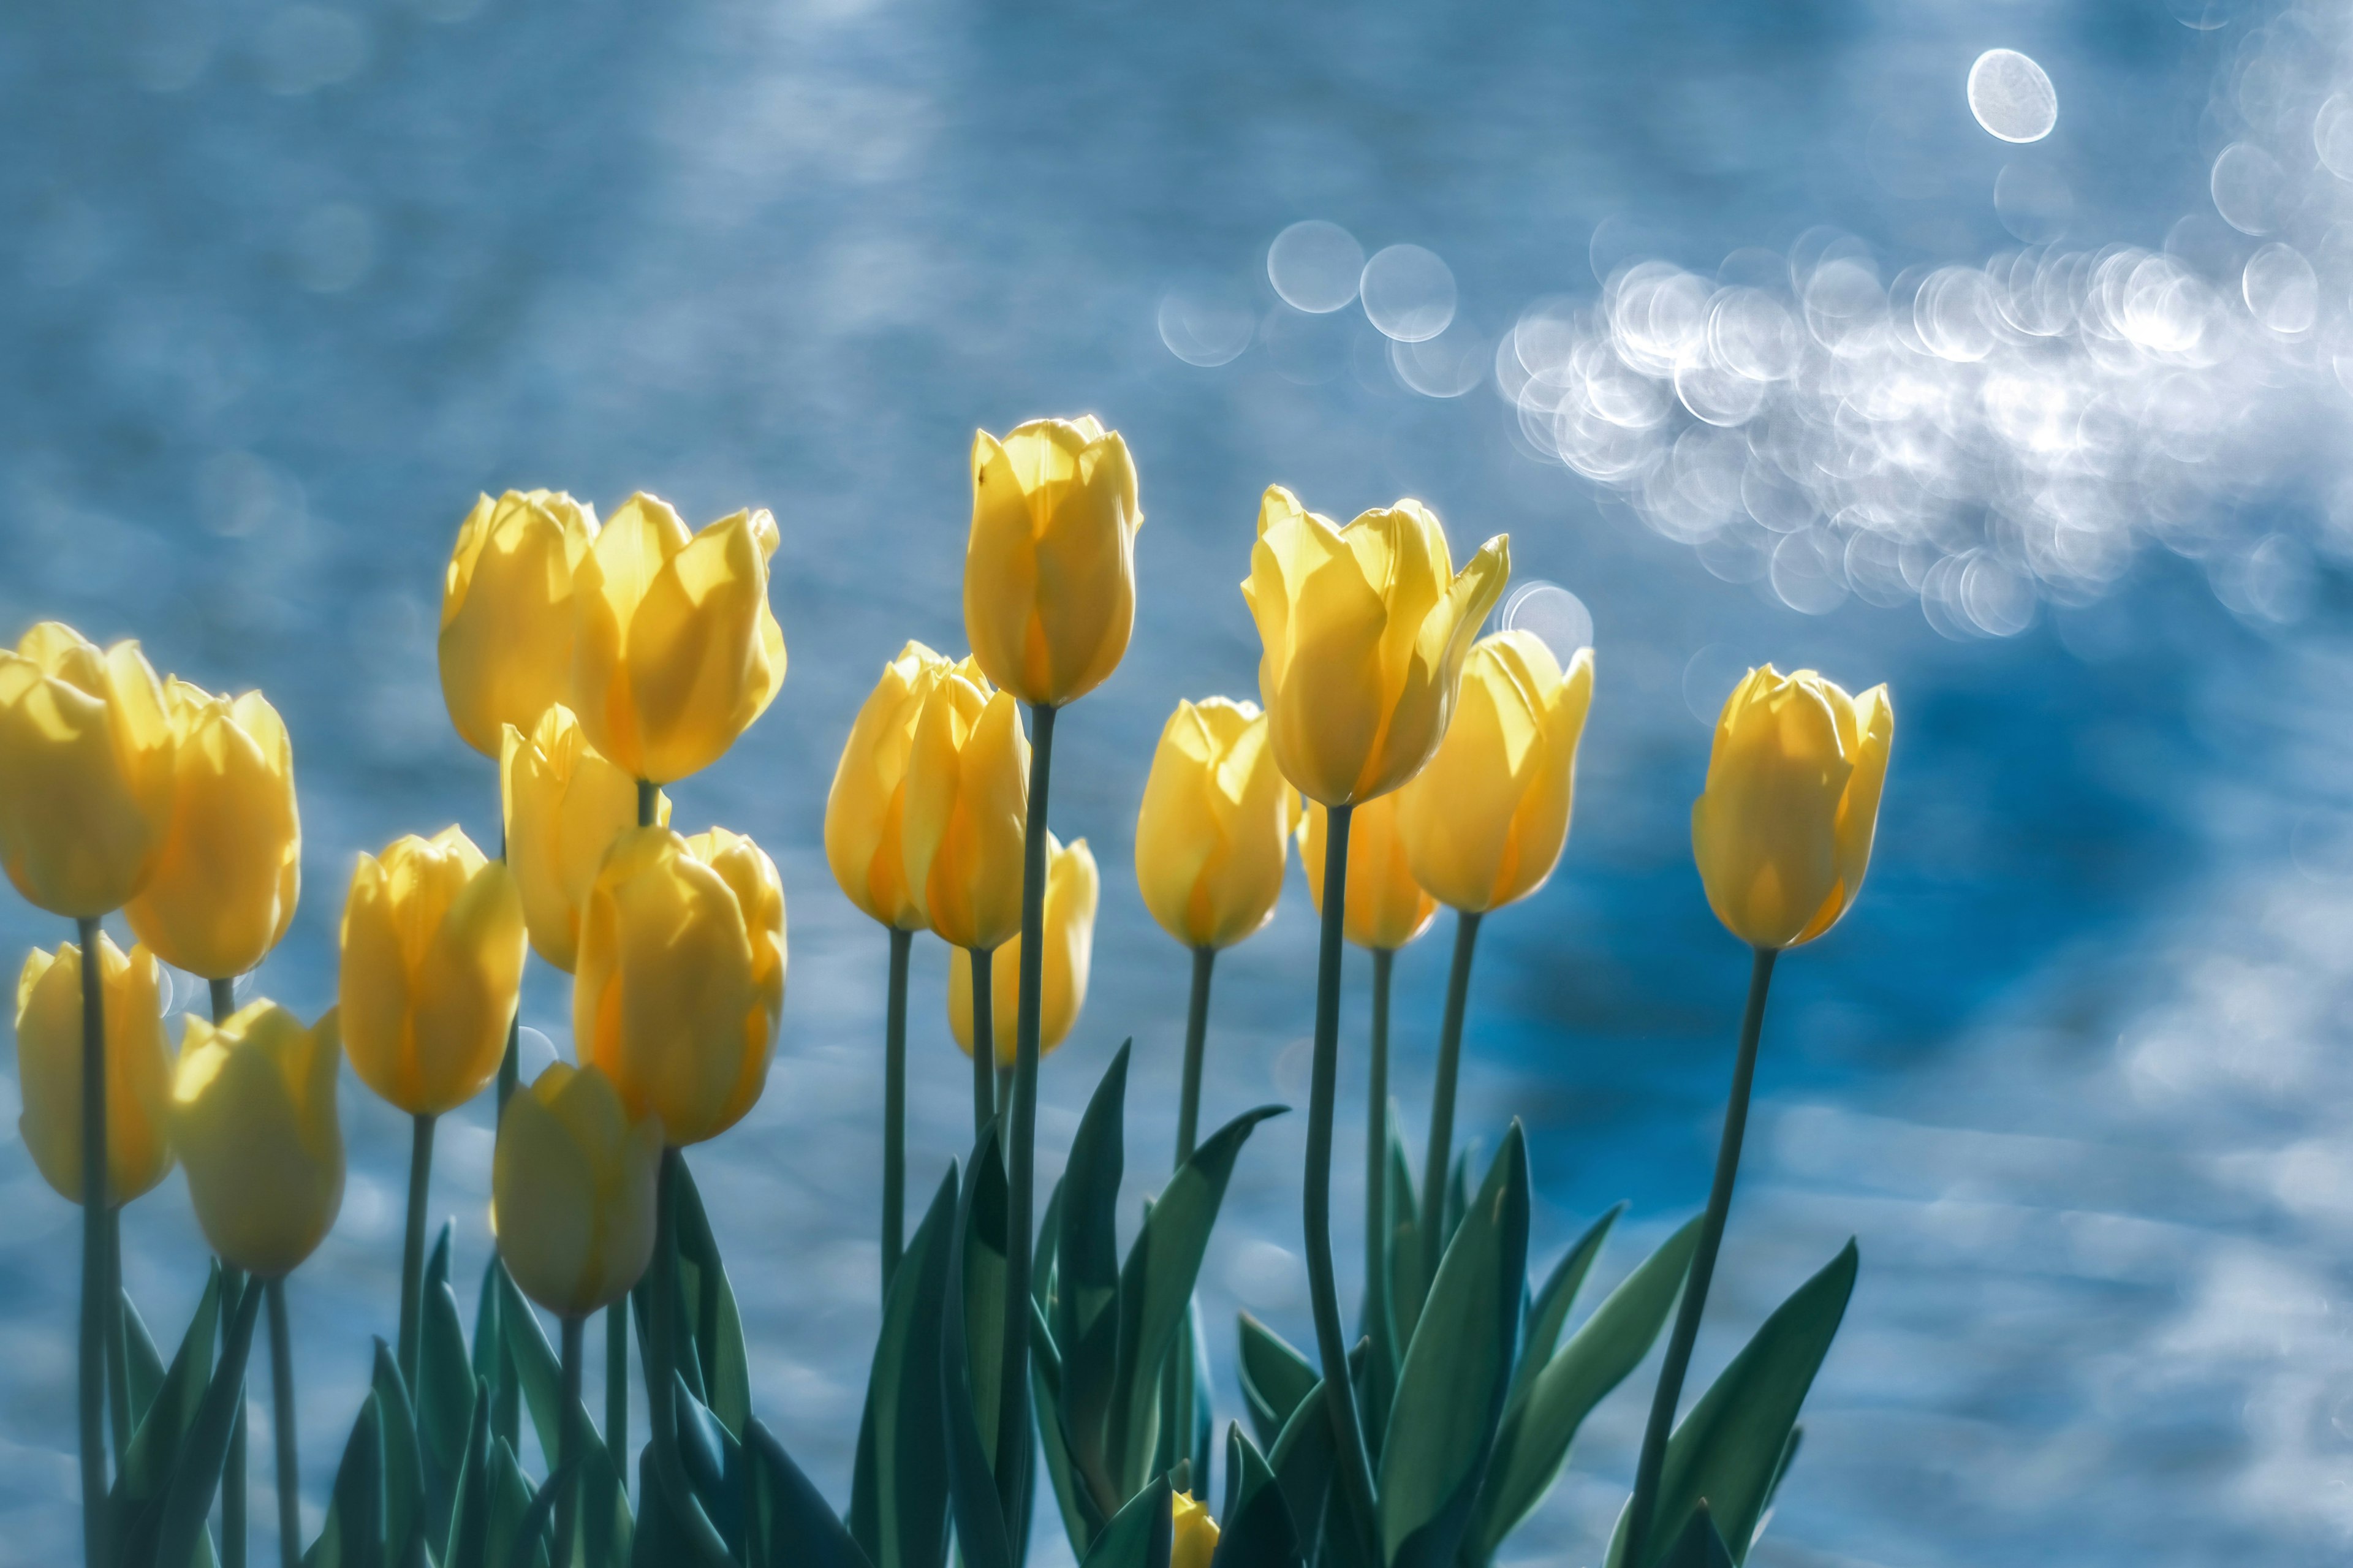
[1187,1422]
[714,1461]
[1700,1545]
[469,1506]
[1085,1320]
[353,1535]
[1549,1405]
[1257,1532]
[445,1393]
[969,1343]
[1547,1312]
[795,1526]
[533,1363]
[1081,1519]
[710,1314]
[142,1362]
[1457,1371]
[153,1451]
[1275,1378]
[507,1504]
[1138,1535]
[1732,1446]
[661,1539]
[1407,1286]
[898,1498]
[404,1465]
[606,1532]
[530,1541]
[1041,1267]
[490,1335]
[1302,1459]
[179,1537]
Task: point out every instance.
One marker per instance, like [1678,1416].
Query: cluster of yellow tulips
[1413,763]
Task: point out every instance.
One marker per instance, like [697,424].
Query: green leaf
[1042,1268]
[145,1365]
[1457,1371]
[1731,1446]
[1086,1319]
[1699,1545]
[445,1396]
[145,1473]
[1547,1314]
[1275,1379]
[490,1335]
[1255,1532]
[1302,1460]
[469,1510]
[714,1461]
[1082,1520]
[533,1362]
[353,1535]
[795,1525]
[508,1504]
[974,1307]
[1406,1286]
[711,1312]
[608,1535]
[404,1465]
[1138,1535]
[898,1498]
[1539,1427]
[179,1536]
[530,1541]
[1187,1421]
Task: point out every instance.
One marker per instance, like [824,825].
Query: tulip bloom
[681,977]
[966,809]
[1364,629]
[564,807]
[253,1118]
[572,1191]
[138,1068]
[225,885]
[433,948]
[1484,823]
[507,612]
[1782,832]
[85,771]
[678,651]
[1386,907]
[1073,887]
[865,811]
[1193,1534]
[1049,572]
[1212,835]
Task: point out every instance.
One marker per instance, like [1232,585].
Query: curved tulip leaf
[1538,1429]
[508,1504]
[1042,1263]
[141,1361]
[1086,1319]
[1302,1460]
[1450,1390]
[973,1310]
[469,1506]
[1406,1286]
[1187,1419]
[153,1453]
[795,1526]
[532,1361]
[608,1531]
[711,1315]
[353,1535]
[179,1536]
[531,1542]
[1082,1520]
[898,1496]
[1256,1532]
[1139,1535]
[404,1465]
[1699,1545]
[714,1461]
[445,1393]
[1275,1378]
[1547,1313]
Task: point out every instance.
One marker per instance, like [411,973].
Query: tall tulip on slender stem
[1782,833]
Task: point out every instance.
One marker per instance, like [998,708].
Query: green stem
[506,1400]
[232,1496]
[118,1350]
[1196,1034]
[281,1395]
[95,1318]
[1703,1270]
[567,1438]
[412,1252]
[1339,1393]
[1376,1151]
[661,1373]
[617,1390]
[894,1109]
[1434,1170]
[1013,1438]
[983,969]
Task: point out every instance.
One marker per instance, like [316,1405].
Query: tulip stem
[1196,1034]
[232,1496]
[1433,1227]
[1013,1438]
[281,1396]
[1339,1393]
[1702,1269]
[894,1109]
[118,1350]
[506,1399]
[1377,1155]
[984,1039]
[95,1318]
[412,1252]
[567,1436]
[617,1390]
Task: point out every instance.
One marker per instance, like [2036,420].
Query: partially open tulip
[1073,887]
[678,650]
[253,1118]
[865,811]
[1050,572]
[1782,832]
[225,888]
[1193,1535]
[1214,830]
[1364,631]
[564,807]
[507,612]
[572,1191]
[433,946]
[1386,907]
[85,771]
[681,977]
[1484,823]
[966,809]
[138,1068]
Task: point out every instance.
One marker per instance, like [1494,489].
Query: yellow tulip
[564,807]
[678,651]
[1364,631]
[225,885]
[433,947]
[1072,886]
[253,1118]
[1212,835]
[138,1068]
[1782,833]
[965,808]
[1193,1535]
[681,977]
[572,1191]
[1484,823]
[865,811]
[1049,572]
[507,612]
[85,771]
[1386,907]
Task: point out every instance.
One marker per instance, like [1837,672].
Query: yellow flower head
[1214,830]
[138,1068]
[1193,1534]
[572,1191]
[1386,907]
[507,612]
[966,807]
[253,1118]
[564,807]
[865,811]
[1073,888]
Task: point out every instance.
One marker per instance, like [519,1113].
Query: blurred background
[1806,332]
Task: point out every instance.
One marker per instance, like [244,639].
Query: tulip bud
[253,1118]
[1214,830]
[138,1068]
[865,811]
[681,977]
[564,807]
[225,884]
[572,1191]
[433,948]
[1386,907]
[1484,823]
[1364,631]
[1049,572]
[1072,886]
[678,650]
[1193,1534]
[1782,833]
[85,771]
[967,807]
[507,612]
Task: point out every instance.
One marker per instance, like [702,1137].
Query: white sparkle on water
[2012,97]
